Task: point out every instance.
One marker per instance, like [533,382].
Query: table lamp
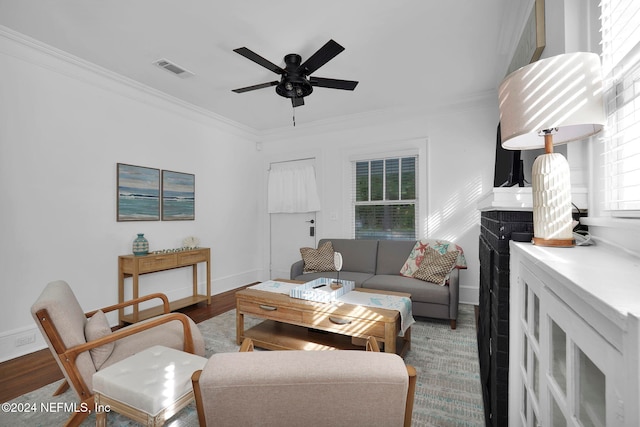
[550,102]
[337,262]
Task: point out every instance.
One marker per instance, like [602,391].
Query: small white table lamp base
[552,220]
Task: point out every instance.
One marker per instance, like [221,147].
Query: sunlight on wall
[460,209]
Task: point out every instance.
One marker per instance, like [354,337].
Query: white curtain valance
[292,189]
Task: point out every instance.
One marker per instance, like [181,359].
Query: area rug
[447,392]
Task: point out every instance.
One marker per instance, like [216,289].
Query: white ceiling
[405,54]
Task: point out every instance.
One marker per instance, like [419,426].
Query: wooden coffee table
[296,324]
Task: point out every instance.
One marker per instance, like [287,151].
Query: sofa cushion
[419,290]
[357,255]
[320,259]
[435,267]
[392,255]
[97,327]
[415,257]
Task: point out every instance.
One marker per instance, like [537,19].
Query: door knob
[311,221]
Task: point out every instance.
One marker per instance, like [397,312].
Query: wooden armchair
[64,325]
[310,388]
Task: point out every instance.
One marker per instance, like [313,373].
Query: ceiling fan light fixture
[294,86]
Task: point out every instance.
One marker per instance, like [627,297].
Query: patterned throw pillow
[417,253]
[97,327]
[316,260]
[435,267]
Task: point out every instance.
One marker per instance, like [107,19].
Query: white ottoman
[148,387]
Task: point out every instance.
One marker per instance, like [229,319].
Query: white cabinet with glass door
[573,354]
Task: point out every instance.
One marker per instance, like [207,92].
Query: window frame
[619,64]
[415,202]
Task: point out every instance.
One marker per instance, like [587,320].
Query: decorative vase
[140,245]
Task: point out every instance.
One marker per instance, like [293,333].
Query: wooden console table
[134,266]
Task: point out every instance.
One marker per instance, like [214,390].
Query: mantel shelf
[521,199]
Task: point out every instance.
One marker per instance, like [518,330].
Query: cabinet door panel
[589,363]
[559,356]
[591,392]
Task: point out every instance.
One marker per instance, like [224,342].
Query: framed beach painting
[138,193]
[178,196]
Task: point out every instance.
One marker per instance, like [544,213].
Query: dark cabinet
[493,319]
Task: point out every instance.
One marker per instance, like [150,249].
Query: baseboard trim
[468,295]
[10,342]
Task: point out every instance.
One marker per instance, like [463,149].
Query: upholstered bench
[148,387]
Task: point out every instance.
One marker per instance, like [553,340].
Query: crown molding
[354,121]
[79,69]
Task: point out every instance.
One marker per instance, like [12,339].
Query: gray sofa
[376,264]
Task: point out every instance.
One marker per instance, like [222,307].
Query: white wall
[456,146]
[63,129]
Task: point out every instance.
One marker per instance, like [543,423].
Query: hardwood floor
[27,373]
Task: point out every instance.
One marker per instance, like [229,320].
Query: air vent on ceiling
[173,68]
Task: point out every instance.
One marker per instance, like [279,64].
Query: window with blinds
[620,22]
[385,198]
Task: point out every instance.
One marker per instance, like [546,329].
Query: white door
[290,232]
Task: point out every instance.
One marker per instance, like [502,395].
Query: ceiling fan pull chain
[294,116]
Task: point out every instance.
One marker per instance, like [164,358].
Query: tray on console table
[134,266]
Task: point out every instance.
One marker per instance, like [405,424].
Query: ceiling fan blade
[297,102]
[249,54]
[333,83]
[254,87]
[321,57]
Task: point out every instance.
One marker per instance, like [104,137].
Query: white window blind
[620,21]
[385,198]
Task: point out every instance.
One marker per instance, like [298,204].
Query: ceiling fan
[296,82]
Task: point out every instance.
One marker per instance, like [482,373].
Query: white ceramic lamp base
[552,220]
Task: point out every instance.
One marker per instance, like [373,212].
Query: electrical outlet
[25,339]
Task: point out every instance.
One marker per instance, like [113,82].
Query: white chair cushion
[150,380]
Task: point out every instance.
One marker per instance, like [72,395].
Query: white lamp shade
[563,92]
